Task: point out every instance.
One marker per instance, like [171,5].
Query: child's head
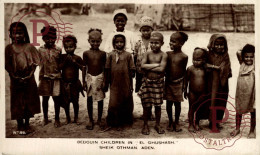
[50,37]
[156,41]
[95,38]
[177,40]
[119,41]
[218,44]
[199,57]
[19,33]
[248,54]
[69,43]
[146,27]
[120,19]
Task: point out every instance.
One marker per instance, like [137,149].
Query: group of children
[159,76]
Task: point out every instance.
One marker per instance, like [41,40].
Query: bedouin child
[245,92]
[21,60]
[195,81]
[119,70]
[70,64]
[120,20]
[174,80]
[95,61]
[151,91]
[50,75]
[141,47]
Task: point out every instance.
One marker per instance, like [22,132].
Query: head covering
[146,21]
[120,11]
[212,40]
[23,26]
[158,35]
[115,50]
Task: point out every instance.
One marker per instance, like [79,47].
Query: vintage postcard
[129,77]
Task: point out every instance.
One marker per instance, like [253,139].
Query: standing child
[196,80]
[70,64]
[151,91]
[21,59]
[119,69]
[120,20]
[245,92]
[95,61]
[49,73]
[175,72]
[141,47]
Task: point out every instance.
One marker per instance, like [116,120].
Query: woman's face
[219,45]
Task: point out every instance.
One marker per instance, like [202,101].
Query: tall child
[245,92]
[21,59]
[120,21]
[175,72]
[151,91]
[50,75]
[70,64]
[119,69]
[95,61]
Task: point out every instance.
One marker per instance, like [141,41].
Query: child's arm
[146,66]
[162,65]
[186,83]
[33,68]
[239,57]
[107,73]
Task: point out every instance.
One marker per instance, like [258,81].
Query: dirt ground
[80,26]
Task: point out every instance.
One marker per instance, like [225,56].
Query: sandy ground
[80,26]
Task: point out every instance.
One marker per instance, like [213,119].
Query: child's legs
[76,108]
[45,100]
[169,110]
[19,124]
[177,111]
[90,108]
[192,101]
[100,109]
[157,115]
[253,121]
[147,111]
[238,121]
[56,100]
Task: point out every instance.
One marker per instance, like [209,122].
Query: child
[119,69]
[141,47]
[196,80]
[50,75]
[218,73]
[245,92]
[151,91]
[95,61]
[120,20]
[175,72]
[70,64]
[21,59]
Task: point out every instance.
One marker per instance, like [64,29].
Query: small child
[119,72]
[245,92]
[21,60]
[70,64]
[120,20]
[196,80]
[141,47]
[50,75]
[174,80]
[151,91]
[95,61]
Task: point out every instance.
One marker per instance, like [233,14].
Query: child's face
[120,22]
[69,47]
[119,43]
[176,42]
[49,41]
[198,60]
[18,34]
[219,46]
[249,58]
[156,44]
[95,41]
[146,32]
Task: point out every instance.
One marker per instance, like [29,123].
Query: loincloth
[49,87]
[174,90]
[70,91]
[94,87]
[151,92]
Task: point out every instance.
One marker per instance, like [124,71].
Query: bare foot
[45,122]
[28,130]
[145,130]
[90,125]
[107,128]
[251,135]
[170,126]
[120,128]
[76,121]
[159,129]
[192,129]
[68,121]
[57,123]
[177,128]
[235,132]
[198,127]
[100,124]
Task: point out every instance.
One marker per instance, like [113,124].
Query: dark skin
[95,61]
[154,63]
[196,80]
[175,70]
[120,22]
